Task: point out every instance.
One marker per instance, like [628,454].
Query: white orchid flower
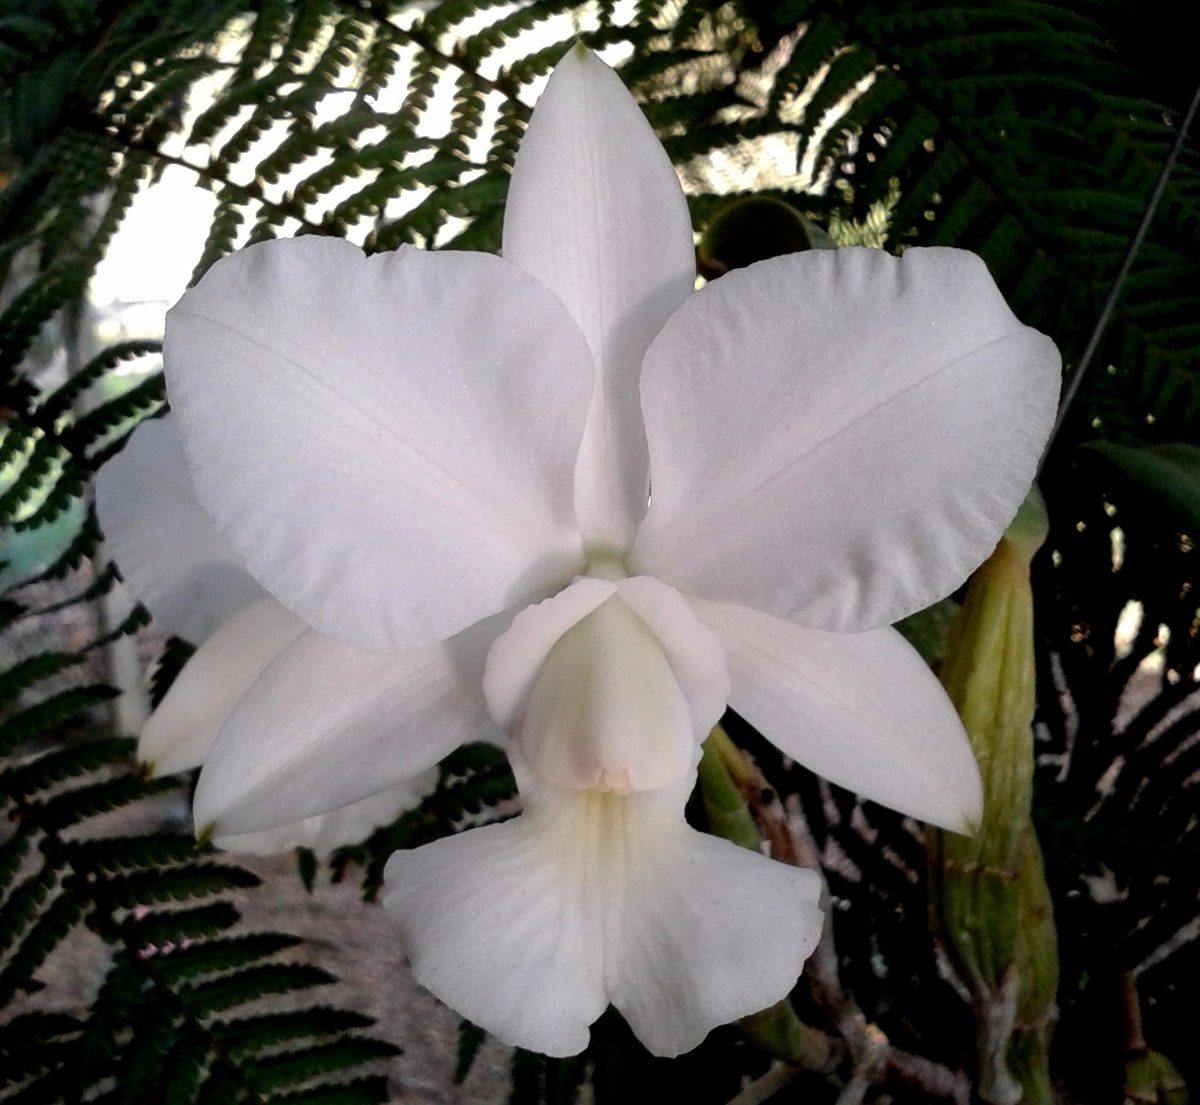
[611,505]
[176,563]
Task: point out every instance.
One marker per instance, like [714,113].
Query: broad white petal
[532,927]
[861,709]
[167,547]
[324,833]
[181,731]
[608,685]
[596,213]
[327,725]
[389,441]
[840,437]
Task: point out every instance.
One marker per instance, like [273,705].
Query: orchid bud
[990,902]
[753,229]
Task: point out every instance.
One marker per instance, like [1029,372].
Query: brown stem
[765,1087]
[1131,1014]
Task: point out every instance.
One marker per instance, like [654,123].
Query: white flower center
[605,711]
[605,564]
[609,685]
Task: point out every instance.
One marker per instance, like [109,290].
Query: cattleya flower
[175,562]
[563,493]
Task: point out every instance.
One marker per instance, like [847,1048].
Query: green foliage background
[1031,132]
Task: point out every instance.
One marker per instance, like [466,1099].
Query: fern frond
[212,957]
[46,716]
[360,1091]
[35,1043]
[152,927]
[247,1035]
[59,403]
[250,983]
[473,779]
[302,1064]
[108,421]
[173,967]
[56,767]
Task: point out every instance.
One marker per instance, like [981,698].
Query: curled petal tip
[965,814]
[971,820]
[957,808]
[861,709]
[970,826]
[581,55]
[150,769]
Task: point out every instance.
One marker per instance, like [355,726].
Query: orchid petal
[391,454]
[182,729]
[723,932]
[840,437]
[495,923]
[611,685]
[532,927]
[324,833]
[168,549]
[861,709]
[327,725]
[596,213]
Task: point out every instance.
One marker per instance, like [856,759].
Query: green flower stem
[990,904]
[783,1035]
[725,806]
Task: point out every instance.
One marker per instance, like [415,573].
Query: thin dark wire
[1118,285]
